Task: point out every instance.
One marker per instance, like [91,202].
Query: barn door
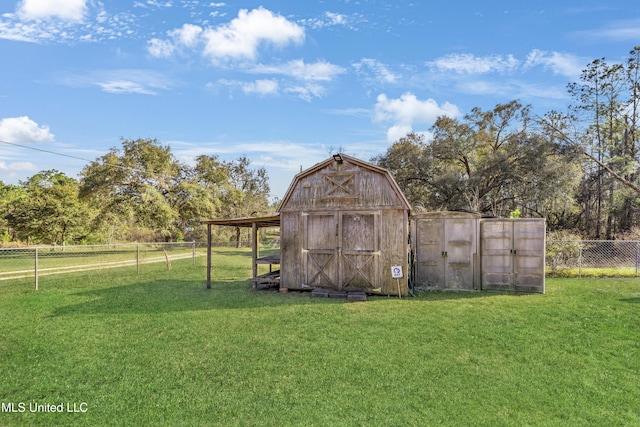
[321,247]
[341,250]
[358,250]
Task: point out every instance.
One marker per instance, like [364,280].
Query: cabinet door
[497,255]
[459,249]
[529,255]
[429,263]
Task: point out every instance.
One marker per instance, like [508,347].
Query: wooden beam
[208,256]
[254,249]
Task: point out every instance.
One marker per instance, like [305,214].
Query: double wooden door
[445,250]
[341,250]
[513,254]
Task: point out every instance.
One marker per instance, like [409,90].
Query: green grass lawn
[159,349]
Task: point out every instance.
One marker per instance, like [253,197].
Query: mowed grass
[159,349]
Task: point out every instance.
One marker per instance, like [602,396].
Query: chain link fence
[593,257]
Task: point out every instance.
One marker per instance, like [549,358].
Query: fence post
[137,258]
[193,253]
[580,262]
[36,268]
[637,253]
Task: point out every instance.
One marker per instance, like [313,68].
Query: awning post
[208,256]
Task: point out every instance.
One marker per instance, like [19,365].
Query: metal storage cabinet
[445,250]
[513,254]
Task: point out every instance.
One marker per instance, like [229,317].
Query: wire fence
[577,258]
[593,257]
[39,261]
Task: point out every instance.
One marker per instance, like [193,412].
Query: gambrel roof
[342,178]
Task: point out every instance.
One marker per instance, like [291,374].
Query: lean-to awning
[251,222]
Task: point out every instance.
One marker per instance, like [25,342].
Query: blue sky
[282,82]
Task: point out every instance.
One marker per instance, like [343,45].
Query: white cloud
[328,19]
[187,36]
[67,10]
[298,69]
[238,39]
[153,4]
[262,87]
[17,167]
[407,111]
[560,63]
[125,86]
[241,37]
[396,132]
[466,63]
[619,31]
[161,48]
[380,71]
[24,130]
[308,91]
[126,80]
[309,76]
[134,81]
[65,21]
[259,87]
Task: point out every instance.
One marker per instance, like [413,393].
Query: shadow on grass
[631,300]
[163,296]
[166,295]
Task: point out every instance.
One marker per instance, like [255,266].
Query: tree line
[139,192]
[579,169]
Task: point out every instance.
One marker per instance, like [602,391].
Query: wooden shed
[343,226]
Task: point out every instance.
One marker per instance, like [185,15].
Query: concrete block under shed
[356,296]
[321,293]
[337,294]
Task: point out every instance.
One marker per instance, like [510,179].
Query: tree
[8,195]
[49,211]
[245,193]
[141,192]
[607,111]
[133,190]
[491,162]
[412,165]
[198,194]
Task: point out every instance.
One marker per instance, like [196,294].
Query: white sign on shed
[396,272]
